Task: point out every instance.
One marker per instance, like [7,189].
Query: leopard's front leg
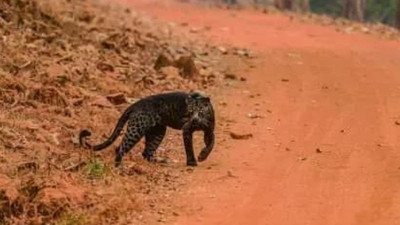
[209,140]
[188,142]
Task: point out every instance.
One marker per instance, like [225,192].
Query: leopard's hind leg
[154,137]
[135,131]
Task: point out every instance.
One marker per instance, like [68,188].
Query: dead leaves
[32,199]
[49,95]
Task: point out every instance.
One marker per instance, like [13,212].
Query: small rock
[31,125]
[195,30]
[248,54]
[230,76]
[224,29]
[105,67]
[140,43]
[349,30]
[240,136]
[75,140]
[284,80]
[241,52]
[293,55]
[206,72]
[163,160]
[162,61]
[223,50]
[187,66]
[253,116]
[162,220]
[230,174]
[54,138]
[397,123]
[77,102]
[117,99]
[365,29]
[318,150]
[101,102]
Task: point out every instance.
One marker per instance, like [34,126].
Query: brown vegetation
[398,15]
[293,5]
[354,9]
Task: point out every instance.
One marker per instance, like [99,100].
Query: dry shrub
[30,202]
[49,95]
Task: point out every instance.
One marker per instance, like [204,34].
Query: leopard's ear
[195,95]
[189,99]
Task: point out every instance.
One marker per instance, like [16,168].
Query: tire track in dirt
[340,97]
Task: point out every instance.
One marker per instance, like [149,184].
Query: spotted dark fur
[150,117]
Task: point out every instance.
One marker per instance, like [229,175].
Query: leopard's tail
[117,130]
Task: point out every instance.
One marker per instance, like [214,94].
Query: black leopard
[150,117]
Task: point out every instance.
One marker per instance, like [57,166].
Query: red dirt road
[327,148]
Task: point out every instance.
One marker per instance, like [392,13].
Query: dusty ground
[325,148]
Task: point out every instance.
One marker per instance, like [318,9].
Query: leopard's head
[199,106]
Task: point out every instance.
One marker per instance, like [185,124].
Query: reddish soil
[325,149]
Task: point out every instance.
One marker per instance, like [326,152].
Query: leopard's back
[167,109]
[174,109]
